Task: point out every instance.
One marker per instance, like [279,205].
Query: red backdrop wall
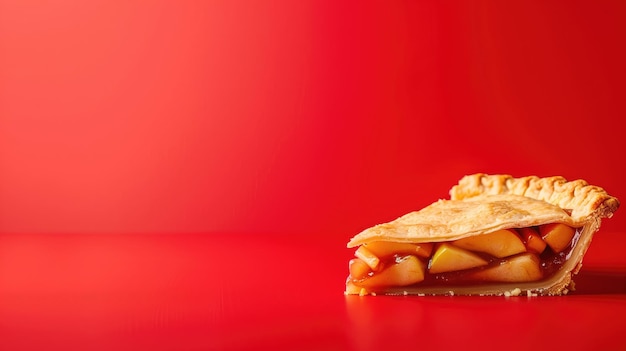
[306,117]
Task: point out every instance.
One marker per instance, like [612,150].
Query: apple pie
[496,235]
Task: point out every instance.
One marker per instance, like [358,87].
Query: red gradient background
[287,118]
[294,115]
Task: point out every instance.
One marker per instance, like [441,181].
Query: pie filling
[520,255]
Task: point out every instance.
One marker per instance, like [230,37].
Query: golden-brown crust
[447,220]
[586,202]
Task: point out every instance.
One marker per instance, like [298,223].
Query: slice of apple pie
[497,235]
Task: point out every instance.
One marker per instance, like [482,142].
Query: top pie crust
[447,220]
[482,204]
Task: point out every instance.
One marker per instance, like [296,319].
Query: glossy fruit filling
[506,256]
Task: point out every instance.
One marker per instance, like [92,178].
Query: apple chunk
[450,258]
[358,268]
[406,271]
[557,235]
[501,243]
[368,257]
[388,248]
[532,240]
[518,269]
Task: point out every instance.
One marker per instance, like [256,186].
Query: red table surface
[238,292]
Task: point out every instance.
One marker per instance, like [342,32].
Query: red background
[294,115]
[303,119]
